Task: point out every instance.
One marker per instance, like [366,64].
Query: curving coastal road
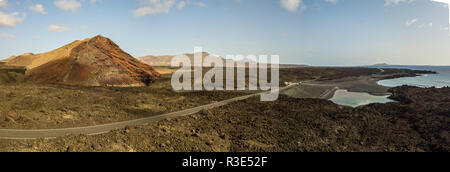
[100,129]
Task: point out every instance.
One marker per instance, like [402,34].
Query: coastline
[412,124]
[287,125]
[326,89]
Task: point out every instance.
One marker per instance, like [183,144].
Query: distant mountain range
[166,61]
[96,61]
[381,64]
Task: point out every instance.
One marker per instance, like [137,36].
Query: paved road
[100,129]
[327,93]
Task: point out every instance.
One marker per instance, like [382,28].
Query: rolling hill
[166,60]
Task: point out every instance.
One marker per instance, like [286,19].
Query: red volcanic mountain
[96,61]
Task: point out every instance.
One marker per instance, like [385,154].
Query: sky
[313,32]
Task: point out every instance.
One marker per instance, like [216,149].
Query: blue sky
[314,32]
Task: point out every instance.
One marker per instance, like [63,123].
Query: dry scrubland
[44,106]
[288,124]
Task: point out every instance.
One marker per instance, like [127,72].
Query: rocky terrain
[288,124]
[49,106]
[333,73]
[427,111]
[95,61]
[27,105]
[417,122]
[10,74]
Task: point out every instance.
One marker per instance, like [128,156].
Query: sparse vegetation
[288,124]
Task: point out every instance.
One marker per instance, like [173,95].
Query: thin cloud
[332,1]
[150,7]
[10,20]
[154,7]
[293,5]
[39,8]
[200,4]
[396,2]
[181,5]
[67,5]
[7,36]
[58,28]
[408,23]
[447,5]
[3,3]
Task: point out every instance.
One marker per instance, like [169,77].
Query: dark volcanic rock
[417,122]
[427,110]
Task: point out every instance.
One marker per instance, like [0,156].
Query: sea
[439,80]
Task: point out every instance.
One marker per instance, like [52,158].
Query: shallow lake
[353,99]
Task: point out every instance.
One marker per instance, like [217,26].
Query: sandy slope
[167,60]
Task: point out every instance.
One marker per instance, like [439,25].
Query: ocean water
[442,79]
[353,99]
